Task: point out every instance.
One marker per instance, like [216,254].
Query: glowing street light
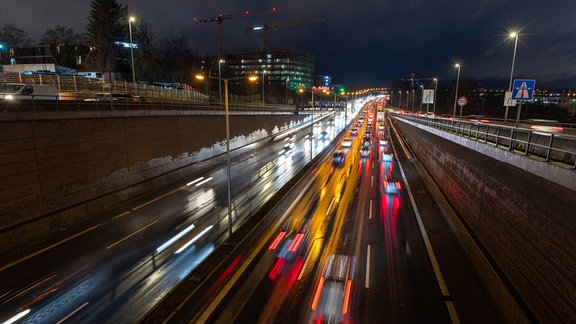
[456,94]
[435,91]
[228,177]
[130,21]
[515,36]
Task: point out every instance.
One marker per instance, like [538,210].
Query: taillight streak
[277,240]
[296,242]
[317,293]
[346,302]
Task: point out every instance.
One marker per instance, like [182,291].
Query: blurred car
[380,126]
[387,157]
[107,97]
[365,151]
[391,187]
[354,131]
[338,158]
[383,141]
[346,142]
[324,135]
[333,292]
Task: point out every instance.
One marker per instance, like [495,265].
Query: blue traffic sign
[523,89]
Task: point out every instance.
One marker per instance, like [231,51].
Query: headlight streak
[196,238]
[194,181]
[203,182]
[17,316]
[174,238]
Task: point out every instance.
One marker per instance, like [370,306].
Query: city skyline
[366,43]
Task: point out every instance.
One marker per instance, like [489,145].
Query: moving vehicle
[338,158]
[391,187]
[334,290]
[365,151]
[18,91]
[347,142]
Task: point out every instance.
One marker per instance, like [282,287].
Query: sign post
[522,90]
[462,101]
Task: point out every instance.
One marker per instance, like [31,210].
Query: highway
[395,275]
[119,268]
[337,216]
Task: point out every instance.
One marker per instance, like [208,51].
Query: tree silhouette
[107,23]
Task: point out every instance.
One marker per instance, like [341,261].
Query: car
[338,158]
[383,141]
[387,157]
[354,131]
[333,293]
[391,187]
[381,127]
[365,151]
[347,142]
[324,135]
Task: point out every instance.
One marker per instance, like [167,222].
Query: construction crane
[285,24]
[220,18]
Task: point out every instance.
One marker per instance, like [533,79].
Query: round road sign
[462,101]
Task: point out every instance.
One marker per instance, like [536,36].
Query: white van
[16,91]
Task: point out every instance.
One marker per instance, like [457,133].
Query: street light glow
[200,77]
[513,34]
[132,18]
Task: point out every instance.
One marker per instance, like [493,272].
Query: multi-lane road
[358,241]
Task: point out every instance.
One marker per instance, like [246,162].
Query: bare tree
[66,45]
[12,36]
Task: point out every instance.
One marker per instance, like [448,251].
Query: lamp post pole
[263,100]
[228,166]
[435,91]
[407,99]
[220,61]
[130,20]
[400,99]
[421,96]
[456,94]
[515,35]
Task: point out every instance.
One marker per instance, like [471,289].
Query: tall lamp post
[220,61]
[456,94]
[421,96]
[400,99]
[228,177]
[515,36]
[435,91]
[263,100]
[301,90]
[130,21]
[407,99]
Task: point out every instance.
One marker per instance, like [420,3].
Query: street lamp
[301,90]
[422,96]
[263,74]
[400,99]
[407,99]
[435,91]
[130,21]
[515,36]
[228,177]
[220,61]
[456,94]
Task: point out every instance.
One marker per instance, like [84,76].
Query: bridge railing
[550,146]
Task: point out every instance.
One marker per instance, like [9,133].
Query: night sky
[364,42]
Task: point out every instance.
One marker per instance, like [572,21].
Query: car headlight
[9,97]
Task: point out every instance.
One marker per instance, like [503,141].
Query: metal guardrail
[558,147]
[83,87]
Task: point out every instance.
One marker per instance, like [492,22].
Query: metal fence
[558,147]
[79,87]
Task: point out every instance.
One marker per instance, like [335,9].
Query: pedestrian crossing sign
[523,89]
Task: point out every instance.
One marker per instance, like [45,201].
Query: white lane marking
[330,206]
[429,249]
[372,181]
[129,236]
[370,210]
[367,283]
[72,314]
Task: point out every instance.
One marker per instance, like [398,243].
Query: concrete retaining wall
[58,170]
[525,224]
